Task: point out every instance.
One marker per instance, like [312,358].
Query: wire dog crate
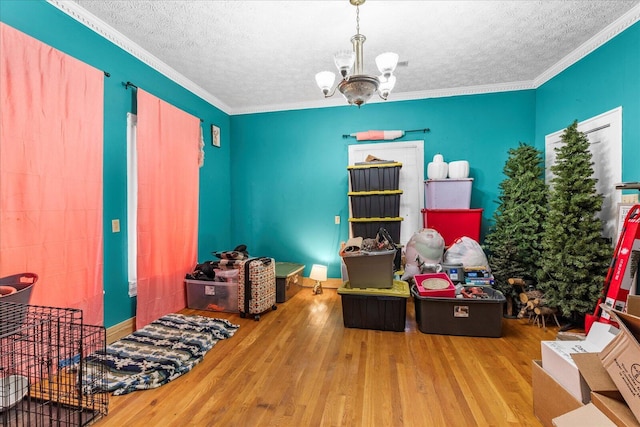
[43,374]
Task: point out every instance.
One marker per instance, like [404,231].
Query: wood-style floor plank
[299,366]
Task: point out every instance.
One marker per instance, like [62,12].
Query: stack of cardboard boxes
[593,382]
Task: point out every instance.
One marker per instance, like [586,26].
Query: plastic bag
[425,247]
[467,252]
[423,251]
[227,275]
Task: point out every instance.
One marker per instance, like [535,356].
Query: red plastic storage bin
[454,223]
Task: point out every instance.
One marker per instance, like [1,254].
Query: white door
[411,178]
[605,136]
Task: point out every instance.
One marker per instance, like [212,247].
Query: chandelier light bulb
[387,63]
[344,61]
[386,85]
[324,80]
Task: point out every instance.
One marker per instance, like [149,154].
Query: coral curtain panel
[168,185]
[51,144]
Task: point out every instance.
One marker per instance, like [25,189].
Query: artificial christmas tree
[514,239]
[575,255]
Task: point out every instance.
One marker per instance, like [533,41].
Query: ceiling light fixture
[357,87]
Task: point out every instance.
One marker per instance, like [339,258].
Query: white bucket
[459,169]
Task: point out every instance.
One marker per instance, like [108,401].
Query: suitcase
[256,286]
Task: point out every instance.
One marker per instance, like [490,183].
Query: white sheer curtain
[132,204]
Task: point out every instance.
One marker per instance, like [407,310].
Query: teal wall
[46,23]
[280,178]
[607,78]
[292,166]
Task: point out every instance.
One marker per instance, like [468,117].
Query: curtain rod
[127,85]
[425,130]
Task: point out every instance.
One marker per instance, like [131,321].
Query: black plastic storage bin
[379,204]
[375,176]
[367,228]
[460,316]
[380,309]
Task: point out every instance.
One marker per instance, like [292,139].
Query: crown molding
[467,90]
[394,97]
[114,36]
[609,32]
[103,29]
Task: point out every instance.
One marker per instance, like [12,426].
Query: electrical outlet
[629,198]
[115,225]
[337,219]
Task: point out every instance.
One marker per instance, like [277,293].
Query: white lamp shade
[344,61]
[386,85]
[318,272]
[387,62]
[325,79]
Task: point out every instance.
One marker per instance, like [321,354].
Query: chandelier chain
[357,19]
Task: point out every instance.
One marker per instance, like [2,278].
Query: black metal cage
[43,375]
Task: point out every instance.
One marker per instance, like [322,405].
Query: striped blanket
[154,355]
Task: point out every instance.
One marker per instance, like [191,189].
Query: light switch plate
[115,225]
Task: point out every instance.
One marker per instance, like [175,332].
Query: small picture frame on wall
[215,136]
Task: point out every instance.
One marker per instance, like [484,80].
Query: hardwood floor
[299,366]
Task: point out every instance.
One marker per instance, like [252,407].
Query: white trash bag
[424,248]
[467,252]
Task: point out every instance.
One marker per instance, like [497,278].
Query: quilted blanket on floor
[154,355]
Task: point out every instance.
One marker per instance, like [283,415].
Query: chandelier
[356,86]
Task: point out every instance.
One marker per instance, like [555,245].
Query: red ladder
[619,278]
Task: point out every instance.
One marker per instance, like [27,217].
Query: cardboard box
[616,410]
[604,393]
[558,362]
[585,416]
[633,305]
[550,399]
[621,359]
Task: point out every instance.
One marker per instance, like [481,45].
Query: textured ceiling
[248,56]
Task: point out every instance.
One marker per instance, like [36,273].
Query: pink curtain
[51,134]
[168,179]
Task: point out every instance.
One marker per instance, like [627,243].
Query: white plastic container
[438,168]
[448,193]
[459,169]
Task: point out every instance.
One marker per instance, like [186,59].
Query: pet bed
[158,353]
